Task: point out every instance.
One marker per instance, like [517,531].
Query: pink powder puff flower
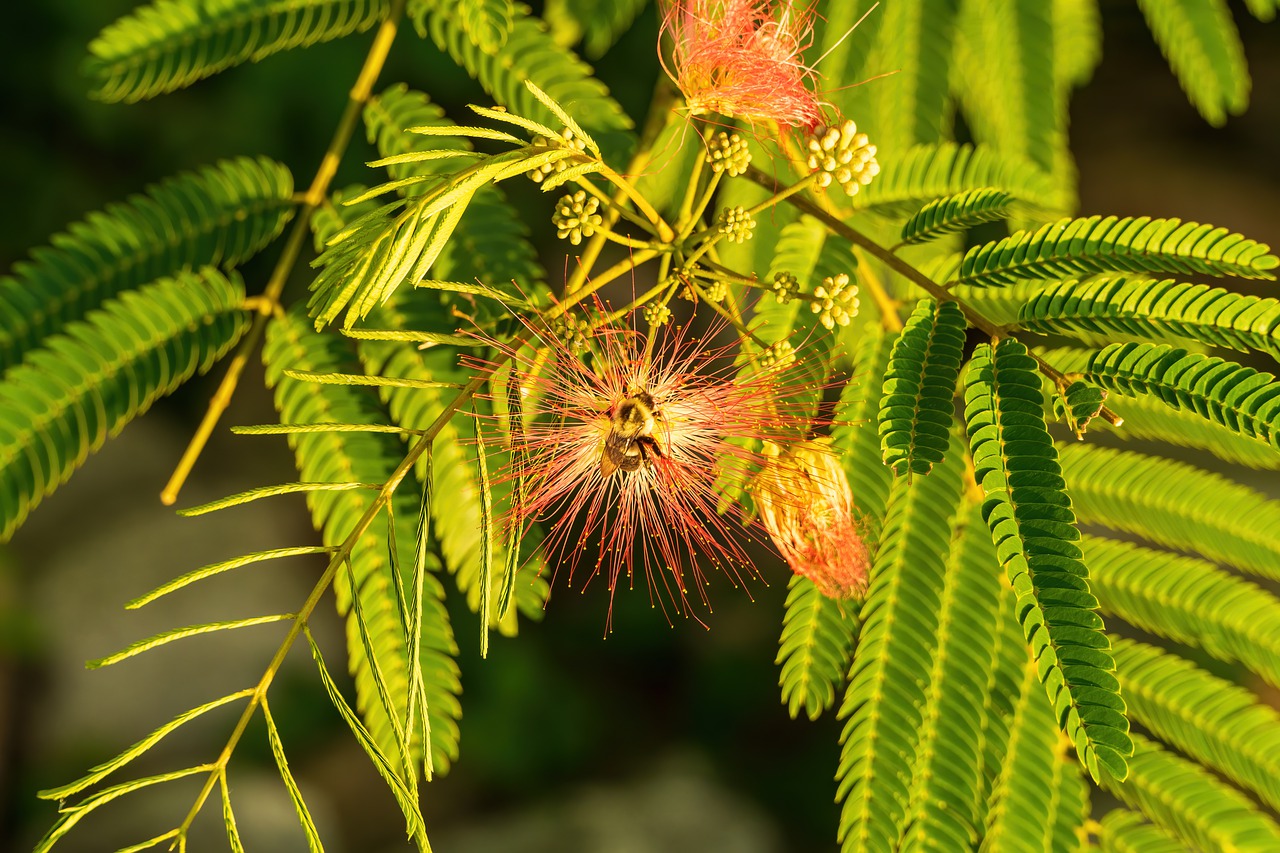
[806,505]
[620,457]
[743,58]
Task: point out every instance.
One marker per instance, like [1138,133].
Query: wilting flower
[622,450]
[743,58]
[806,505]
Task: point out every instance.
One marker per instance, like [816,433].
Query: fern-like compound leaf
[1188,601]
[954,213]
[885,702]
[228,816]
[1221,725]
[1147,417]
[87,382]
[596,23]
[1191,803]
[1203,47]
[1095,244]
[169,44]
[487,23]
[1239,398]
[947,797]
[815,648]
[1124,831]
[530,54]
[917,405]
[286,775]
[1176,505]
[854,433]
[174,634]
[221,215]
[1033,527]
[1137,305]
[925,173]
[336,457]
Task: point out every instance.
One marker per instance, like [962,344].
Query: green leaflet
[925,173]
[947,804]
[222,215]
[853,431]
[1174,504]
[596,23]
[815,648]
[1243,400]
[87,383]
[1188,601]
[1190,803]
[918,401]
[1095,244]
[170,44]
[1034,530]
[885,702]
[1110,305]
[1203,47]
[1221,725]
[335,457]
[1148,417]
[1123,831]
[954,213]
[530,54]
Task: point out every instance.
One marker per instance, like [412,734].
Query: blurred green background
[656,738]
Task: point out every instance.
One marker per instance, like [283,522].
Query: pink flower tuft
[743,58]
[622,454]
[807,507]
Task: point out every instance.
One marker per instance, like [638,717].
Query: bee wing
[607,465]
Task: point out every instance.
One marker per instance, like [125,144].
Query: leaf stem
[270,299]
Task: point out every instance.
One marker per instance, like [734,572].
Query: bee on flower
[622,449]
[743,58]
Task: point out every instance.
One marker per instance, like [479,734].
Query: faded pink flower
[806,505]
[743,58]
[623,452]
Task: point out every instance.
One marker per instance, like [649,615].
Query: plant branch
[270,299]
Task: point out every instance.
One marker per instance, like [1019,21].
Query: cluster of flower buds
[566,139]
[842,155]
[736,224]
[572,331]
[778,356]
[657,314]
[835,301]
[577,216]
[728,153]
[785,285]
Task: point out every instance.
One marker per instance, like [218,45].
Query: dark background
[656,738]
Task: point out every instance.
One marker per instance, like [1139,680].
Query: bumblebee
[630,444]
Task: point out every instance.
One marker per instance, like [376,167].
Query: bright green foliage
[1188,601]
[854,432]
[815,648]
[1263,10]
[956,213]
[885,702]
[1137,305]
[1032,524]
[1080,403]
[917,405]
[1190,803]
[365,458]
[947,804]
[1243,400]
[1203,47]
[170,44]
[1123,831]
[925,173]
[487,23]
[220,215]
[1072,247]
[1174,504]
[1148,417]
[530,54]
[1219,724]
[88,381]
